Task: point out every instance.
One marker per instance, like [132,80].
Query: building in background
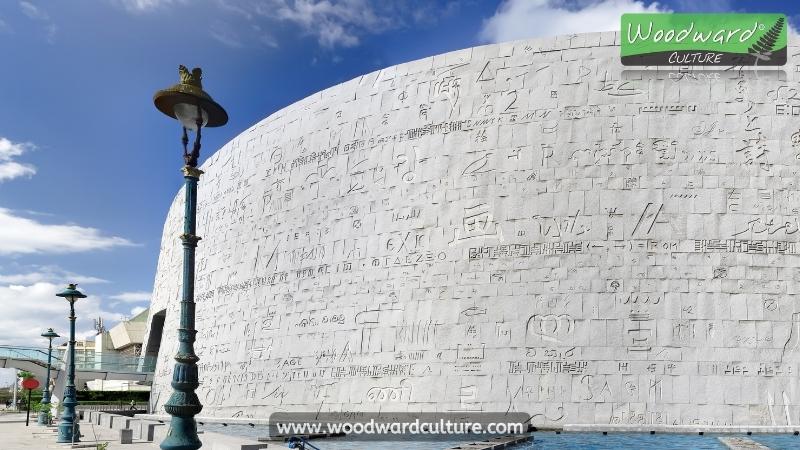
[121,343]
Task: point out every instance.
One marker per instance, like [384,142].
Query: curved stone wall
[522,227]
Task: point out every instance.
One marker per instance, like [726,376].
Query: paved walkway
[14,435]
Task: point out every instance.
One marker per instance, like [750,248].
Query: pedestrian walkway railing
[138,406]
[84,361]
[32,354]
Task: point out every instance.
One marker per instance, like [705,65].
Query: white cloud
[334,23]
[146,5]
[223,33]
[10,169]
[22,235]
[133,297]
[36,274]
[26,310]
[137,310]
[521,19]
[36,13]
[32,11]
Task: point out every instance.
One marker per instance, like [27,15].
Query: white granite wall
[522,226]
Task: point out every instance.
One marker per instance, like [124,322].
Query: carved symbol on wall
[793,340]
[486,107]
[550,327]
[656,391]
[385,394]
[783,93]
[648,218]
[486,73]
[423,111]
[409,159]
[771,404]
[278,392]
[420,332]
[259,349]
[512,97]
[478,165]
[559,415]
[469,392]
[450,88]
[734,199]
[471,353]
[320,391]
[478,222]
[795,139]
[474,311]
[603,394]
[354,186]
[361,129]
[352,168]
[549,129]
[704,129]
[619,88]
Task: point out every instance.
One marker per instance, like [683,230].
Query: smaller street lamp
[45,408]
[68,430]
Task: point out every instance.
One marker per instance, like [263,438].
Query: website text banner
[389,426]
[703,39]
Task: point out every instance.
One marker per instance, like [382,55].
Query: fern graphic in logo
[766,44]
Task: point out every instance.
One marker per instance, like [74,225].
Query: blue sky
[88,167]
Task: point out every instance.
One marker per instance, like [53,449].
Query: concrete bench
[120,422]
[147,430]
[105,420]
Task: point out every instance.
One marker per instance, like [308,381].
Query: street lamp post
[194,108]
[45,408]
[68,430]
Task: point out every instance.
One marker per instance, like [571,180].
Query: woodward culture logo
[703,39]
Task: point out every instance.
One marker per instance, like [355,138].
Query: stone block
[125,436]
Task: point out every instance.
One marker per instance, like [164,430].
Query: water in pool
[542,441]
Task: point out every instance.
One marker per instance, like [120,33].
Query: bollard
[126,436]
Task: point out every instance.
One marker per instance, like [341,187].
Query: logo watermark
[703,39]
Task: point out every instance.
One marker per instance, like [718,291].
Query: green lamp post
[68,430]
[45,408]
[194,108]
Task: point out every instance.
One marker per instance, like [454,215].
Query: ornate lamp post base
[68,433]
[182,435]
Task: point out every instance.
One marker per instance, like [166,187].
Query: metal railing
[83,360]
[110,406]
[33,354]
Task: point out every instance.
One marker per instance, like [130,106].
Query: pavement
[14,435]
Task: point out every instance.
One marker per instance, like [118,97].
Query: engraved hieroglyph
[514,227]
